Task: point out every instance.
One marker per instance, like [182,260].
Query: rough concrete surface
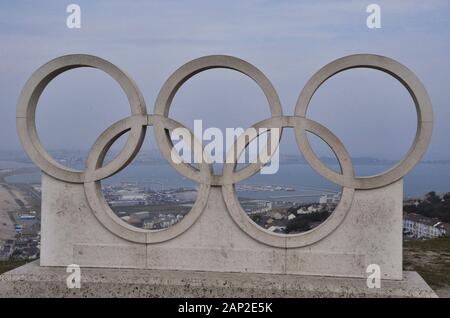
[31,280]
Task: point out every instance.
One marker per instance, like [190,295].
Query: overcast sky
[288,40]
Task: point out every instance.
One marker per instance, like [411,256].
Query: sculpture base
[31,280]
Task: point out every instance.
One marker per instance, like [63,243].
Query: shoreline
[15,199]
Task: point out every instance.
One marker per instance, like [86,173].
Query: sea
[304,184]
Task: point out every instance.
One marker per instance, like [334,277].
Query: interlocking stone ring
[26,110]
[136,125]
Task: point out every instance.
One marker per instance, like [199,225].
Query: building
[121,203]
[6,249]
[418,226]
[277,229]
[330,198]
[252,207]
[308,210]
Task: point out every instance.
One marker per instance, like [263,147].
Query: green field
[431,259]
[9,265]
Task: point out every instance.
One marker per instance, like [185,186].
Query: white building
[133,197]
[418,226]
[330,199]
[259,206]
[308,210]
[277,229]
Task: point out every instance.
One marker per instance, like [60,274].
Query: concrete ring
[328,226]
[26,110]
[183,74]
[162,126]
[100,207]
[230,174]
[423,108]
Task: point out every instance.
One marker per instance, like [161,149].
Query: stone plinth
[32,280]
[371,233]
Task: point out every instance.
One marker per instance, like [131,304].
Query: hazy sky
[288,40]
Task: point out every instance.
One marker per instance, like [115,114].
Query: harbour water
[307,183]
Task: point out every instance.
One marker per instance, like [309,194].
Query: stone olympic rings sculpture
[138,121]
